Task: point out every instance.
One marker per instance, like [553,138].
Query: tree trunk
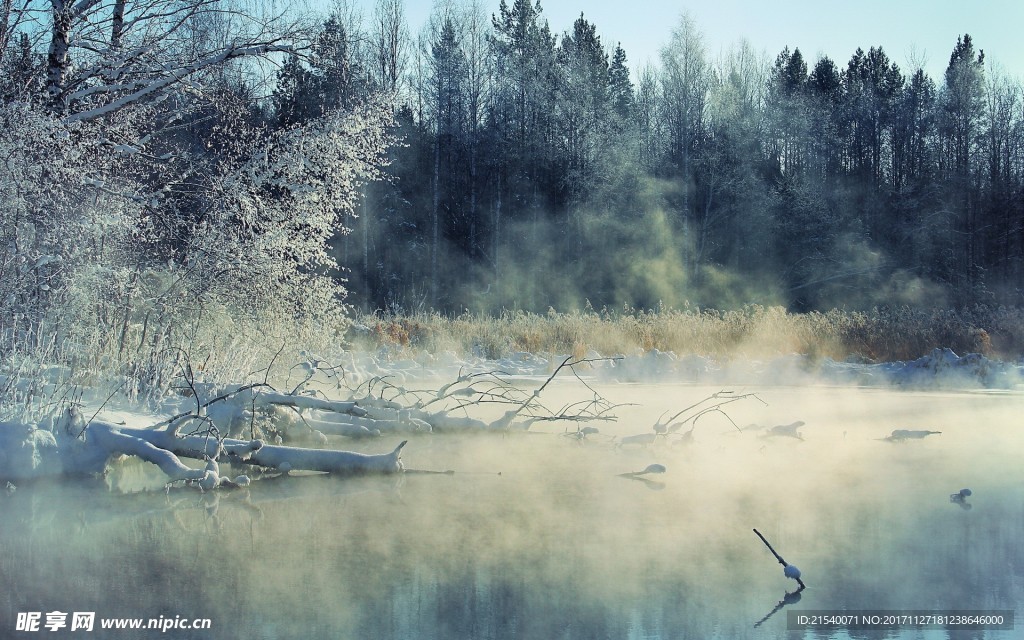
[117,24]
[5,27]
[434,220]
[58,58]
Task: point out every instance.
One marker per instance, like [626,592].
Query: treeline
[538,170]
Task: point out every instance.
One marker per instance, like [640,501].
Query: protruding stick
[781,561]
[774,553]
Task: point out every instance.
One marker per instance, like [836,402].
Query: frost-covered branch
[439,410]
[700,409]
[175,77]
[710,404]
[309,402]
[531,402]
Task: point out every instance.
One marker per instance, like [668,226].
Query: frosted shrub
[32,213]
[267,248]
[132,280]
[60,218]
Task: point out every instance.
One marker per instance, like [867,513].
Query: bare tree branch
[179,75]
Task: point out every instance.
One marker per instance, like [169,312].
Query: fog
[539,535]
[640,258]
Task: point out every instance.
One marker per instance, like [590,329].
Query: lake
[538,535]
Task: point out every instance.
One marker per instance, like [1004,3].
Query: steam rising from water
[560,544]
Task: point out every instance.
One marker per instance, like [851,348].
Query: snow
[47,448]
[24,452]
[940,369]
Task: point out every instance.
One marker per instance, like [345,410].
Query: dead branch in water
[789,570]
[726,397]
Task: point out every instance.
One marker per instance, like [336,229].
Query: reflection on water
[560,545]
[790,598]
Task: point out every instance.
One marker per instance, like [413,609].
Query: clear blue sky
[817,27]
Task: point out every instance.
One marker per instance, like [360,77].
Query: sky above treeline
[912,32]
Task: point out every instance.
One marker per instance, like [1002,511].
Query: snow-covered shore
[222,418]
[940,369]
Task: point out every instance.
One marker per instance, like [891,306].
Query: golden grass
[881,334]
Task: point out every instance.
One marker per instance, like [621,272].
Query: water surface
[560,545]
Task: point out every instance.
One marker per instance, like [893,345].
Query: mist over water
[560,544]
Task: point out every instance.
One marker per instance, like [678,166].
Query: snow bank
[941,368]
[27,452]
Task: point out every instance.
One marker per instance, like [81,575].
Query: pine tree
[620,88]
[787,113]
[872,83]
[524,52]
[913,131]
[335,76]
[582,105]
[292,96]
[448,79]
[825,92]
[963,103]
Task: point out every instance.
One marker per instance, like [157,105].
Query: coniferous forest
[540,169]
[171,162]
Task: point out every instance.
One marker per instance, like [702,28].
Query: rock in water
[910,434]
[787,430]
[653,468]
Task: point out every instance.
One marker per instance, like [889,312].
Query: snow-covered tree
[266,240]
[147,200]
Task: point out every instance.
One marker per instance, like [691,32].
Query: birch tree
[103,55]
[390,43]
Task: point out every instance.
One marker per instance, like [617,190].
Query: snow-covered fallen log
[209,428]
[111,439]
[71,446]
[336,462]
[281,458]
